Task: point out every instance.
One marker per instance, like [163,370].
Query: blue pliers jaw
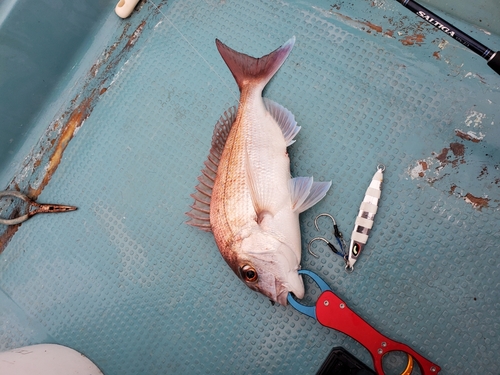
[308,310]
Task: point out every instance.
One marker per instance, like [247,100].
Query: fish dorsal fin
[306,193]
[285,120]
[200,209]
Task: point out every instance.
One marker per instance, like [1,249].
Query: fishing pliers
[33,207]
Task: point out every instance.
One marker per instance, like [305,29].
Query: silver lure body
[364,220]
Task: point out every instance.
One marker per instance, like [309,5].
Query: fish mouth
[277,268]
[293,282]
[277,289]
[282,298]
[294,285]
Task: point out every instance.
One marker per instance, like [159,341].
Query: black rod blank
[493,58]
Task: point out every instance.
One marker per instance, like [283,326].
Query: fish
[246,196]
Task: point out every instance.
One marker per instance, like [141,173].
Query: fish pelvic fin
[250,70]
[306,193]
[200,210]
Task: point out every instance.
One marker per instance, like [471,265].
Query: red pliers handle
[334,313]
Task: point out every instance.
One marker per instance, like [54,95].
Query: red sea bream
[246,196]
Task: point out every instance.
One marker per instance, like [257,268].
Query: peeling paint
[409,32]
[443,44]
[457,149]
[39,167]
[446,164]
[135,35]
[424,166]
[76,119]
[372,26]
[476,202]
[477,76]
[469,136]
[474,119]
[419,170]
[410,40]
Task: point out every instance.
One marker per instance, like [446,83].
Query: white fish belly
[253,175]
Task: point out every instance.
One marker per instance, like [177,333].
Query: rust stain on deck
[78,115]
[446,164]
[50,149]
[76,119]
[135,35]
[477,202]
[410,40]
[458,149]
[359,24]
[424,166]
[372,26]
[466,136]
[444,157]
[406,30]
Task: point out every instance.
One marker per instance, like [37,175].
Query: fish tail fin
[250,70]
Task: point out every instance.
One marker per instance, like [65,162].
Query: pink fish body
[246,195]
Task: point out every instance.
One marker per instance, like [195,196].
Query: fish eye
[249,273]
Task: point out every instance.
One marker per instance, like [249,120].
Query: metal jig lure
[364,220]
[33,208]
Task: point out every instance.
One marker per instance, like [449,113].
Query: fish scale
[428,275]
[246,195]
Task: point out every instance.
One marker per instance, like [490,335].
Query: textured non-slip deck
[125,281]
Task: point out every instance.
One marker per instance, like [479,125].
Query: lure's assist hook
[336,231]
[33,208]
[338,235]
[325,241]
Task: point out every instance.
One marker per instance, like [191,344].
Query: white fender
[124,8]
[46,359]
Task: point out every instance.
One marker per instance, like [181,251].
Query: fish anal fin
[200,209]
[285,120]
[306,193]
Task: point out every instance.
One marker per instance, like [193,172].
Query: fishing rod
[493,58]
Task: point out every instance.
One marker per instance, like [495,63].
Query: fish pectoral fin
[257,194]
[263,216]
[306,193]
[285,120]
